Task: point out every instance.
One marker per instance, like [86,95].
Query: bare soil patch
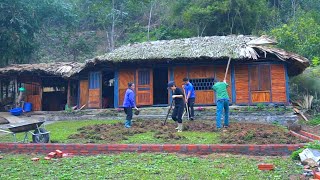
[237,133]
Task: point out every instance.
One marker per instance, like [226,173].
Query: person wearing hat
[129,103]
[20,100]
[221,91]
[190,97]
[178,97]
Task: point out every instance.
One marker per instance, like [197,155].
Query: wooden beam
[69,93]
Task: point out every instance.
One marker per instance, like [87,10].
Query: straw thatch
[62,69]
[210,48]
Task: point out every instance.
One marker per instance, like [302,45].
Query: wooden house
[258,72]
[49,86]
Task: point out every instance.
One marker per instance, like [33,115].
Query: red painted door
[144,87]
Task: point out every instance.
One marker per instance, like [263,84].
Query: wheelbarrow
[39,135]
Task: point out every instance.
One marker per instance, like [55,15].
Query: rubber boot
[127,124]
[130,123]
[179,127]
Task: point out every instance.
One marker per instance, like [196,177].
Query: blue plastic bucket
[27,107]
[16,111]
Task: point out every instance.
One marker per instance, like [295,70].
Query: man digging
[222,103]
[190,97]
[178,97]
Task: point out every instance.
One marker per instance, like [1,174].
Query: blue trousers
[222,104]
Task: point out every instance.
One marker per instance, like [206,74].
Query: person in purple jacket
[129,103]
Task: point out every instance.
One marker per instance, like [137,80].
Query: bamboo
[225,75]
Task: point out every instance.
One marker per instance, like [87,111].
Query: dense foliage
[65,30]
[74,30]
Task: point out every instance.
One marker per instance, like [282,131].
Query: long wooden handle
[225,75]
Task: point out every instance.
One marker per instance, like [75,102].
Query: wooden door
[95,81]
[144,84]
[125,76]
[84,90]
[33,95]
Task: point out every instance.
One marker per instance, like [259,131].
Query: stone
[310,162]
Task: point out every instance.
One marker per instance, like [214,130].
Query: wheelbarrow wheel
[40,136]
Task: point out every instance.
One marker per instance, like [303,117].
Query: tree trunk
[150,15]
[112,27]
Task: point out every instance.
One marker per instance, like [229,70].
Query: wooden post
[225,75]
[16,90]
[69,93]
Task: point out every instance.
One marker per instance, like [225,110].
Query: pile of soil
[237,133]
[249,133]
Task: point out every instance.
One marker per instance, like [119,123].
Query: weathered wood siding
[220,72]
[84,92]
[241,83]
[180,72]
[202,96]
[278,82]
[94,100]
[125,76]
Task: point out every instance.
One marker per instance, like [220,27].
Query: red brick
[58,153]
[35,159]
[52,154]
[266,166]
[171,147]
[192,148]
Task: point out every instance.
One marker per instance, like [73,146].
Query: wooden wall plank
[241,83]
[278,81]
[260,96]
[94,98]
[197,72]
[180,72]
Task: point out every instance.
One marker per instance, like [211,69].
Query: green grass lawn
[146,166]
[61,130]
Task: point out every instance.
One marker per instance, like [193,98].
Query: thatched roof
[63,69]
[211,48]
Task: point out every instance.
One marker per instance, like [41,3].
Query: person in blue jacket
[190,97]
[129,103]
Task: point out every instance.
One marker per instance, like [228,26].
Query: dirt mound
[237,133]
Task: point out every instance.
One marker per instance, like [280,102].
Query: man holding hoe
[178,97]
[190,97]
[220,89]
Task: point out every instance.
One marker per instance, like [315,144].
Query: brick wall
[91,149]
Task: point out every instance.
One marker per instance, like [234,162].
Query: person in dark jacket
[190,97]
[129,103]
[178,97]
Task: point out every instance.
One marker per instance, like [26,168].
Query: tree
[20,21]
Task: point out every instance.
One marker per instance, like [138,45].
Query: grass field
[61,130]
[146,166]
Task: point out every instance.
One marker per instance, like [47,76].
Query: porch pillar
[68,95]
